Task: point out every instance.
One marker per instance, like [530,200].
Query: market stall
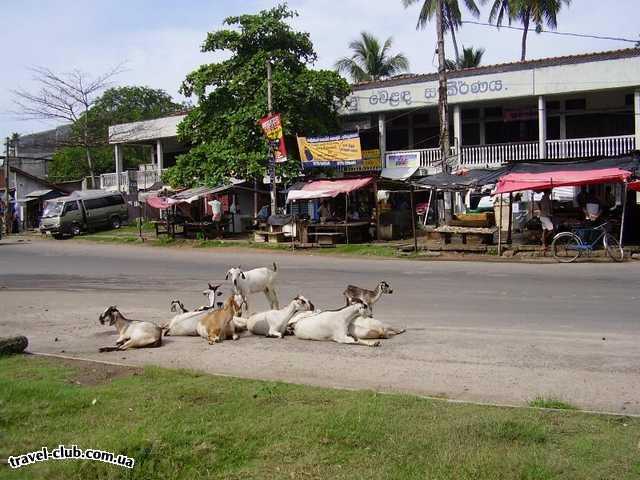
[333,211]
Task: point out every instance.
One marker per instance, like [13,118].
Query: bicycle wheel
[566,247]
[614,250]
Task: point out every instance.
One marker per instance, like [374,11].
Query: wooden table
[207,229]
[351,230]
[169,228]
[474,235]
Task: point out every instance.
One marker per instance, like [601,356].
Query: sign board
[343,150]
[402,160]
[272,128]
[371,159]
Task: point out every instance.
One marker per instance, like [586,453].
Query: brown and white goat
[218,325]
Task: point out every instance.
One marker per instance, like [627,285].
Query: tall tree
[452,16]
[471,58]
[539,13]
[222,130]
[370,60]
[115,105]
[65,97]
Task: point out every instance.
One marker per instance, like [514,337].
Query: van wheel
[75,230]
[115,222]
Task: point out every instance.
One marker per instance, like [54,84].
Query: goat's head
[385,287]
[233,274]
[234,304]
[177,306]
[109,315]
[303,304]
[363,309]
[212,292]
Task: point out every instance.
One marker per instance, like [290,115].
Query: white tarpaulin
[398,173]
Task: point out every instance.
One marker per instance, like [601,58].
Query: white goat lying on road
[255,281]
[371,328]
[133,333]
[365,328]
[273,323]
[333,325]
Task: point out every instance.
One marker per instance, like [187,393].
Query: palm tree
[370,61]
[452,17]
[528,12]
[471,58]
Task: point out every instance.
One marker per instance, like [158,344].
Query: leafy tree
[528,12]
[471,58]
[115,105]
[452,16]
[370,60]
[222,130]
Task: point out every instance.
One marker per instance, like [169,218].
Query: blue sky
[160,39]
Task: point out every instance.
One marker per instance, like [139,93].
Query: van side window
[70,207]
[115,200]
[94,203]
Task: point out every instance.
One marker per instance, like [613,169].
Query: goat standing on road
[368,297]
[133,333]
[255,281]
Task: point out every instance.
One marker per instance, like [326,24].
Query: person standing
[545,212]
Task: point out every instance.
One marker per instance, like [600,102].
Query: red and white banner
[272,128]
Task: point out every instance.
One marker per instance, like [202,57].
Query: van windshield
[52,209]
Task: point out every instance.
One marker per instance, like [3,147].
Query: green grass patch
[365,249]
[550,402]
[181,424]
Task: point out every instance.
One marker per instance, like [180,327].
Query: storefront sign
[272,128]
[371,159]
[402,160]
[330,151]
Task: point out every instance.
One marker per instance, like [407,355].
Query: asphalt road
[491,332]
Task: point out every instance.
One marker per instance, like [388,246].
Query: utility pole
[272,155]
[6,187]
[443,109]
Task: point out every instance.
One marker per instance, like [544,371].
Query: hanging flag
[272,128]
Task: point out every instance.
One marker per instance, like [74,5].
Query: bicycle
[568,246]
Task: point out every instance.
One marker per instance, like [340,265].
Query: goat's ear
[244,277]
[227,276]
[210,287]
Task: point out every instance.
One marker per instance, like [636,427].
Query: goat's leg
[272,298]
[128,344]
[355,341]
[121,339]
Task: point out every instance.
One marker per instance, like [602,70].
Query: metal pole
[624,210]
[6,188]
[509,229]
[443,110]
[346,216]
[500,226]
[272,158]
[413,221]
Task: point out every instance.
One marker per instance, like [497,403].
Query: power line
[555,32]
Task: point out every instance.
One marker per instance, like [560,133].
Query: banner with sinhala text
[330,151]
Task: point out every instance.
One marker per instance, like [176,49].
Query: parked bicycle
[568,246]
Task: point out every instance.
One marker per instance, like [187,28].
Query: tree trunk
[90,164]
[525,22]
[455,47]
[11,345]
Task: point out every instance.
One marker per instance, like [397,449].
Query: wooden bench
[262,236]
[466,235]
[326,238]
